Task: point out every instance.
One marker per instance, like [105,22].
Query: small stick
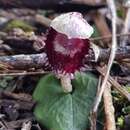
[100,21]
[24,61]
[19,96]
[93,116]
[112,55]
[115,84]
[109,36]
[104,30]
[43,20]
[23,73]
[27,125]
[126,25]
[109,108]
[18,123]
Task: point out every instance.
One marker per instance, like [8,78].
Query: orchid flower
[67,45]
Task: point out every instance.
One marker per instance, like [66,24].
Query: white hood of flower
[73,25]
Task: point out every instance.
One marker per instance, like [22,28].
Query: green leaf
[60,111]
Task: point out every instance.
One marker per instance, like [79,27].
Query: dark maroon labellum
[65,55]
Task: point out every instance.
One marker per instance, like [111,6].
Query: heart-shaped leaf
[60,111]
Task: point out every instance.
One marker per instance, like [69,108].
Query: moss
[18,24]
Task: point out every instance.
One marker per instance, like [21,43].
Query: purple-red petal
[64,54]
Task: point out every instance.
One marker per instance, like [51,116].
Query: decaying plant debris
[23,61]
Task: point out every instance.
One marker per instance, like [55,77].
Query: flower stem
[66,83]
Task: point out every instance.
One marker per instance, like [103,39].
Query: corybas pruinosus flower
[67,44]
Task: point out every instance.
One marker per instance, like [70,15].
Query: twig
[43,20]
[18,41]
[23,73]
[25,44]
[104,30]
[25,61]
[109,108]
[126,26]
[93,116]
[121,53]
[59,6]
[112,55]
[27,125]
[123,80]
[85,2]
[19,96]
[109,36]
[100,21]
[18,123]
[19,105]
[115,84]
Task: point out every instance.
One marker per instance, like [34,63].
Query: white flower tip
[73,25]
